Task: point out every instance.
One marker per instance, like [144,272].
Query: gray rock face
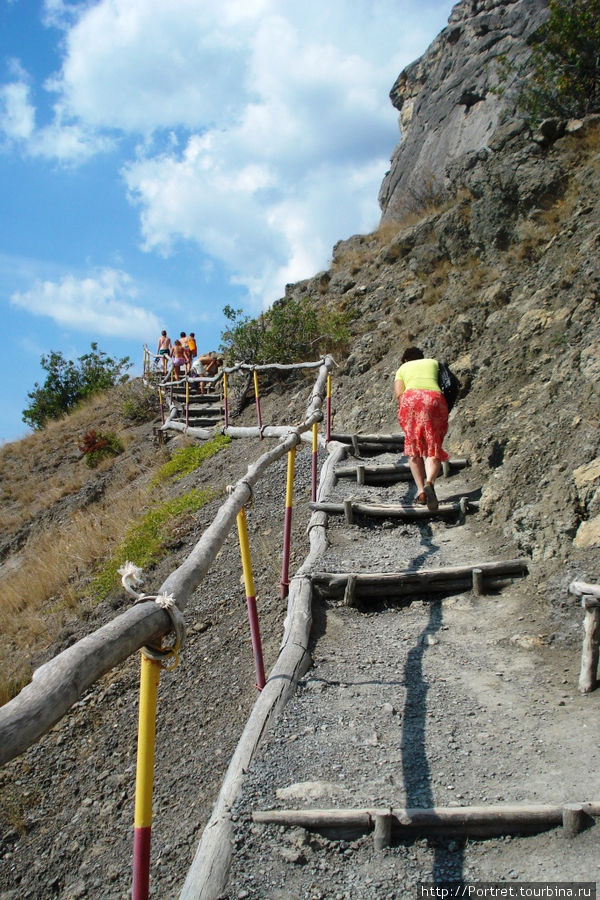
[446,98]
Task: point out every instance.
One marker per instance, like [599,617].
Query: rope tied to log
[167,657]
[231,488]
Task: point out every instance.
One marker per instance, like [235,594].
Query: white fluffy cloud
[264,125]
[100,304]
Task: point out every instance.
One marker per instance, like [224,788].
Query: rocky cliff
[447,99]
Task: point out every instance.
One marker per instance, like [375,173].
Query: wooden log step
[394,472]
[372,584]
[463,506]
[396,439]
[474,821]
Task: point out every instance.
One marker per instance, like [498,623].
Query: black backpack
[449,384]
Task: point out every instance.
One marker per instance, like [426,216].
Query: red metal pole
[287,523]
[226,399]
[313,492]
[187,402]
[328,431]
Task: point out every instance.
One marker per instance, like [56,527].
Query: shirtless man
[164,349]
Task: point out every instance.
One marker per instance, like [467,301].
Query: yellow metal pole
[287,523]
[251,598]
[315,446]
[257,398]
[144,779]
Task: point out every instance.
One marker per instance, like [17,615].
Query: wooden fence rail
[57,684]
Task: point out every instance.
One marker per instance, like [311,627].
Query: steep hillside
[503,282]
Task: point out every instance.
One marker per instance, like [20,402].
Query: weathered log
[396,510]
[350,591]
[387,584]
[476,821]
[57,684]
[580,588]
[588,675]
[477,574]
[396,439]
[391,472]
[382,832]
[574,819]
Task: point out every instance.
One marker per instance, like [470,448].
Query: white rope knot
[168,657]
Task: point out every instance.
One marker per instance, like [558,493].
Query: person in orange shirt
[192,345]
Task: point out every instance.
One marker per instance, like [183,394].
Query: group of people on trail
[423,417]
[183,353]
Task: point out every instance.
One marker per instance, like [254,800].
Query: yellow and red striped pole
[251,598]
[144,779]
[328,430]
[226,399]
[287,523]
[315,445]
[257,398]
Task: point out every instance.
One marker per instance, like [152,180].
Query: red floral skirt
[423,417]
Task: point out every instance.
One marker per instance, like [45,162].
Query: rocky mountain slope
[500,276]
[448,99]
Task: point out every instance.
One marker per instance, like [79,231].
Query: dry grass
[44,590]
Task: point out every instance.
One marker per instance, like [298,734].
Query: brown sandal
[430,497]
[421,499]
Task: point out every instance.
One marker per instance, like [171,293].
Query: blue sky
[162,158]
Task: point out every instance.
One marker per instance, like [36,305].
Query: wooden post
[348,514]
[360,474]
[477,575]
[187,402]
[573,819]
[383,830]
[588,676]
[350,591]
[287,523]
[251,598]
[446,468]
[355,445]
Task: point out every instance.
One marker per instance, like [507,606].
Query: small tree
[68,382]
[564,77]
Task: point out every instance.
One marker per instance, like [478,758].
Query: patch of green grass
[186,460]
[144,542]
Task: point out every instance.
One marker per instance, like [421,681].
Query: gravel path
[416,705]
[453,701]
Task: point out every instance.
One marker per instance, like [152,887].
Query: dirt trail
[436,702]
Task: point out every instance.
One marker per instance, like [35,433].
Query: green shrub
[186,460]
[97,446]
[68,383]
[144,541]
[564,77]
[139,402]
[291,331]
